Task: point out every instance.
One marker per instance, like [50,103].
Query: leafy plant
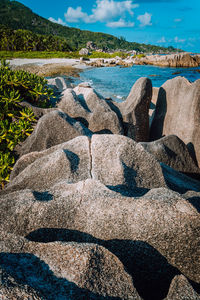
[16,121]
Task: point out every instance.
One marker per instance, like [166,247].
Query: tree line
[25,40]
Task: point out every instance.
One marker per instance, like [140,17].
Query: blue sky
[159,22]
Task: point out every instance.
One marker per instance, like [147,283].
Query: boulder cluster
[170,60]
[104,204]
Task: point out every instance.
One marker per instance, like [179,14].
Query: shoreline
[49,67]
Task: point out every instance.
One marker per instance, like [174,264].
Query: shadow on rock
[195,201]
[82,101]
[129,188]
[42,196]
[27,269]
[192,152]
[178,181]
[150,271]
[73,159]
[124,190]
[156,131]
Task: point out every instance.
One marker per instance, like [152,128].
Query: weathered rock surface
[173,152]
[58,83]
[115,160]
[101,216]
[180,288]
[52,129]
[135,110]
[155,236]
[76,269]
[171,60]
[178,112]
[11,289]
[84,104]
[69,161]
[118,161]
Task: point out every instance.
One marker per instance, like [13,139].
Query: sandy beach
[40,62]
[49,67]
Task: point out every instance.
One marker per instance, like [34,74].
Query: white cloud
[59,21]
[109,9]
[162,40]
[177,40]
[177,20]
[104,11]
[75,15]
[145,20]
[120,24]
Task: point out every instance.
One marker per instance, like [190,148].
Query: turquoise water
[116,82]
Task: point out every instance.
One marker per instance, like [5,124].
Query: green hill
[17,16]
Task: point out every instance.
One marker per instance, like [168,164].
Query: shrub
[16,122]
[107,55]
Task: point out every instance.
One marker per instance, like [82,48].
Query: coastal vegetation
[15,15]
[16,121]
[59,54]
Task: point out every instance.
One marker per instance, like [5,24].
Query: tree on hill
[17,16]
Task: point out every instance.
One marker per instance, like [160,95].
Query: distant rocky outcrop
[93,210]
[91,45]
[111,62]
[84,51]
[178,112]
[171,60]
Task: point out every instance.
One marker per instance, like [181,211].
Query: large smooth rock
[119,162]
[70,161]
[135,110]
[173,152]
[52,129]
[66,270]
[178,112]
[58,84]
[85,105]
[115,160]
[155,236]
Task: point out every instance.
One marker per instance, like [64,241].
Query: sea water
[116,82]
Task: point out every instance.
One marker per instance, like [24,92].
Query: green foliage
[48,54]
[17,16]
[4,63]
[38,54]
[25,40]
[139,55]
[16,122]
[107,55]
